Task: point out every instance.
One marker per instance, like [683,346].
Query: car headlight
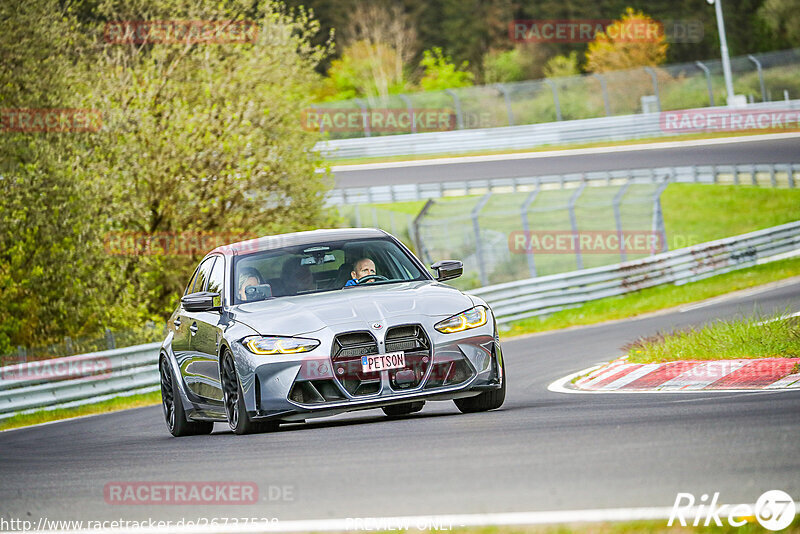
[279,345]
[472,318]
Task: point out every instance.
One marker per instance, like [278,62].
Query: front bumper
[328,380]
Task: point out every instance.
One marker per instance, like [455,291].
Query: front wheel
[488,400]
[235,407]
[174,414]
[396,410]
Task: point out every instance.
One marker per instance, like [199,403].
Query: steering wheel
[369,277]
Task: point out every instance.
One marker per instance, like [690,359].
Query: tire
[396,410]
[488,400]
[235,408]
[172,407]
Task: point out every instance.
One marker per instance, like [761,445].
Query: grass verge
[749,337]
[627,527]
[657,298]
[111,405]
[548,148]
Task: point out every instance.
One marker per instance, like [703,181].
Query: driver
[363,267]
[248,277]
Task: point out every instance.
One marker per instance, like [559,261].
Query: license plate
[381,362]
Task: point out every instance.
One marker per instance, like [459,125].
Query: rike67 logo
[774,510]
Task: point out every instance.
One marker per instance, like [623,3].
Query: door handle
[177,322]
[193,328]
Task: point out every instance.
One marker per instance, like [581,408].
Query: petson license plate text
[380,362]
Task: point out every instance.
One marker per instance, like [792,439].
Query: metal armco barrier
[77,380]
[615,128]
[548,294]
[770,175]
[30,386]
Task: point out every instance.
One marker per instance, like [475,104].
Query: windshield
[319,267]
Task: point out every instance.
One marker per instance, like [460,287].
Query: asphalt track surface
[741,151]
[541,451]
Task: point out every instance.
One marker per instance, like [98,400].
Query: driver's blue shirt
[351,282]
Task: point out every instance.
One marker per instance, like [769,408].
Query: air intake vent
[346,355]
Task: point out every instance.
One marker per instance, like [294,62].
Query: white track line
[415,523]
[561,153]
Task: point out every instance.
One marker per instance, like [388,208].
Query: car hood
[360,306]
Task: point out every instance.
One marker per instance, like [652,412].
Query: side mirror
[199,302]
[448,269]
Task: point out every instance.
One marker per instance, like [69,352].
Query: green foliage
[562,66]
[441,73]
[749,337]
[783,17]
[504,66]
[195,138]
[364,70]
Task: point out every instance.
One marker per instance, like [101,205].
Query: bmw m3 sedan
[289,327]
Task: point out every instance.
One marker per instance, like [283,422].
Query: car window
[191,282]
[324,266]
[203,273]
[216,281]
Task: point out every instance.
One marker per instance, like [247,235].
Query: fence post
[457,102]
[358,216]
[527,228]
[502,88]
[772,178]
[752,58]
[574,223]
[605,93]
[22,353]
[477,229]
[407,102]
[68,346]
[364,116]
[702,67]
[552,85]
[658,216]
[417,236]
[111,343]
[652,73]
[618,218]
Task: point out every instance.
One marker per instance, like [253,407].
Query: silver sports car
[289,327]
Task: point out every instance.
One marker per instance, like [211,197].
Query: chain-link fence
[546,230]
[766,77]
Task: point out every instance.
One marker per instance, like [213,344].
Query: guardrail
[77,380]
[547,294]
[615,128]
[774,175]
[31,386]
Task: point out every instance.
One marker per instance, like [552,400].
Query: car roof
[272,242]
